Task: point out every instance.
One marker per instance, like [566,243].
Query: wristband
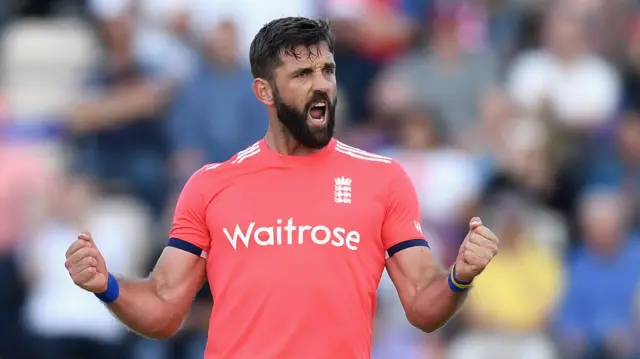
[456,285]
[112,292]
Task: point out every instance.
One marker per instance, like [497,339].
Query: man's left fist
[476,251]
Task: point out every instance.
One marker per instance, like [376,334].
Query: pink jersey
[295,248]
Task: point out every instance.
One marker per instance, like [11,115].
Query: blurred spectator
[489,140]
[25,185]
[598,316]
[447,180]
[364,46]
[68,322]
[565,77]
[216,113]
[528,165]
[248,16]
[38,61]
[161,38]
[451,76]
[526,138]
[616,164]
[510,304]
[118,127]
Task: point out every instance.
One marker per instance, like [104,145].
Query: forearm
[142,309]
[118,108]
[429,295]
[435,303]
[106,113]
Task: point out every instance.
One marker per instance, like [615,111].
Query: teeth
[319,104]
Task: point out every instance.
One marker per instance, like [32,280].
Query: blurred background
[525,112]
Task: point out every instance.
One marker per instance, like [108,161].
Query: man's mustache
[318,97]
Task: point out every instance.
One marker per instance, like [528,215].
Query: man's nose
[321,82]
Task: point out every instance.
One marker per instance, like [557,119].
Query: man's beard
[295,121]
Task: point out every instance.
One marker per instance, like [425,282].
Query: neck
[282,142]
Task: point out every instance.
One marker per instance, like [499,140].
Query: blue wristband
[455,278]
[113,290]
[455,284]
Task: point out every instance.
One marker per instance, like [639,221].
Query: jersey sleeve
[401,228]
[189,231]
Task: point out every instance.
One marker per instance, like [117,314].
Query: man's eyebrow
[302,70]
[328,64]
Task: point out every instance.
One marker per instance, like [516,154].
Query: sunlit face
[305,95]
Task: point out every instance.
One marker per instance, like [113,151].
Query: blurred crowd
[525,112]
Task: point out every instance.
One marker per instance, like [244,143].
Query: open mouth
[318,113]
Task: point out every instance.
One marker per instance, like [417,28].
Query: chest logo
[342,191]
[290,233]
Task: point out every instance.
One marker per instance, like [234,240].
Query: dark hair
[284,36]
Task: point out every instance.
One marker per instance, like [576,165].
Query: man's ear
[263,91]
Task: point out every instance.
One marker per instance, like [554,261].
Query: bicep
[412,269]
[178,276]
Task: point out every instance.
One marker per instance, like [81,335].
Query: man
[296,230]
[117,130]
[602,323]
[205,128]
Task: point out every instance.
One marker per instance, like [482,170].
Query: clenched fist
[86,265]
[477,250]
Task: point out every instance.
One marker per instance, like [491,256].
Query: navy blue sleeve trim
[185,246]
[407,244]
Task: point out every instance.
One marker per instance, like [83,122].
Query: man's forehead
[305,56]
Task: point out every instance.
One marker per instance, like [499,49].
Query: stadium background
[526,112]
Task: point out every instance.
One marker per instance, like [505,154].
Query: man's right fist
[86,265]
